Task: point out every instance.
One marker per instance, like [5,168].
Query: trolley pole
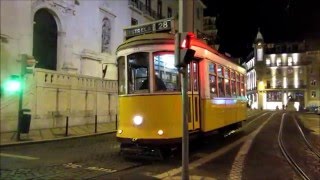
[185,25]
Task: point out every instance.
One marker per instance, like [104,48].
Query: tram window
[122,75]
[166,77]
[226,73]
[138,71]
[220,87]
[233,88]
[219,70]
[238,89]
[213,86]
[232,75]
[195,77]
[228,90]
[212,68]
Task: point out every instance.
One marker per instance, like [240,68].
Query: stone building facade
[74,43]
[282,74]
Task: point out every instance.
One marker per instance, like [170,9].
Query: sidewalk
[41,135]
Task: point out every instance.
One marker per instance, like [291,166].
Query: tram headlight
[137,120]
[120,131]
[160,132]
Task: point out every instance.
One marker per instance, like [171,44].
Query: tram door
[193,94]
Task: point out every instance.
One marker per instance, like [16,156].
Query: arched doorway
[45,40]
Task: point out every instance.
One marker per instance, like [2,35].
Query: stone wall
[52,96]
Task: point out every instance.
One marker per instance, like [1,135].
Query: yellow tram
[150,112]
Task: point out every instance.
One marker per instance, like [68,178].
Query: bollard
[95,123]
[116,121]
[67,125]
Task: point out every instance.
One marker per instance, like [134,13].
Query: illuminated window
[213,86]
[259,54]
[221,87]
[274,96]
[166,76]
[289,61]
[268,62]
[212,80]
[278,61]
[313,94]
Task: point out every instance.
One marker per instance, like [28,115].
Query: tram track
[292,157]
[312,148]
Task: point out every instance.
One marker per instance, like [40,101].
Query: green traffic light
[12,85]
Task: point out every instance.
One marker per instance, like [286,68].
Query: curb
[56,139]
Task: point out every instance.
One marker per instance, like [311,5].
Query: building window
[169,12]
[134,21]
[159,9]
[274,96]
[148,5]
[289,61]
[106,30]
[313,94]
[268,62]
[278,61]
[313,82]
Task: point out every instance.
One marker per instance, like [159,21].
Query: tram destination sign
[156,26]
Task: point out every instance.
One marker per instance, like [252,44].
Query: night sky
[279,21]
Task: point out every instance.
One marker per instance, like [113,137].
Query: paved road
[250,153]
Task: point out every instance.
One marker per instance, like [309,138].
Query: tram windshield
[138,72]
[165,73]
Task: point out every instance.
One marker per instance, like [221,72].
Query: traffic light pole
[22,72]
[185,25]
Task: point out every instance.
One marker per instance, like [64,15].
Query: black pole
[95,123]
[116,121]
[67,125]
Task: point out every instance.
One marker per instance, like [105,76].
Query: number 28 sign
[163,25]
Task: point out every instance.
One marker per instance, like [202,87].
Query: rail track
[286,153]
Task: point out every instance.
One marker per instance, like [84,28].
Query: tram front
[149,92]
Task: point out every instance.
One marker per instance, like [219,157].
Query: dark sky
[278,20]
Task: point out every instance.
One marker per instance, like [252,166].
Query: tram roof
[155,38]
[166,38]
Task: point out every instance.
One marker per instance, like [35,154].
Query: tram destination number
[159,26]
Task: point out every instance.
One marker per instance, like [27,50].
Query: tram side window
[212,81]
[242,85]
[238,84]
[122,75]
[138,71]
[227,82]
[166,77]
[220,81]
[233,84]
